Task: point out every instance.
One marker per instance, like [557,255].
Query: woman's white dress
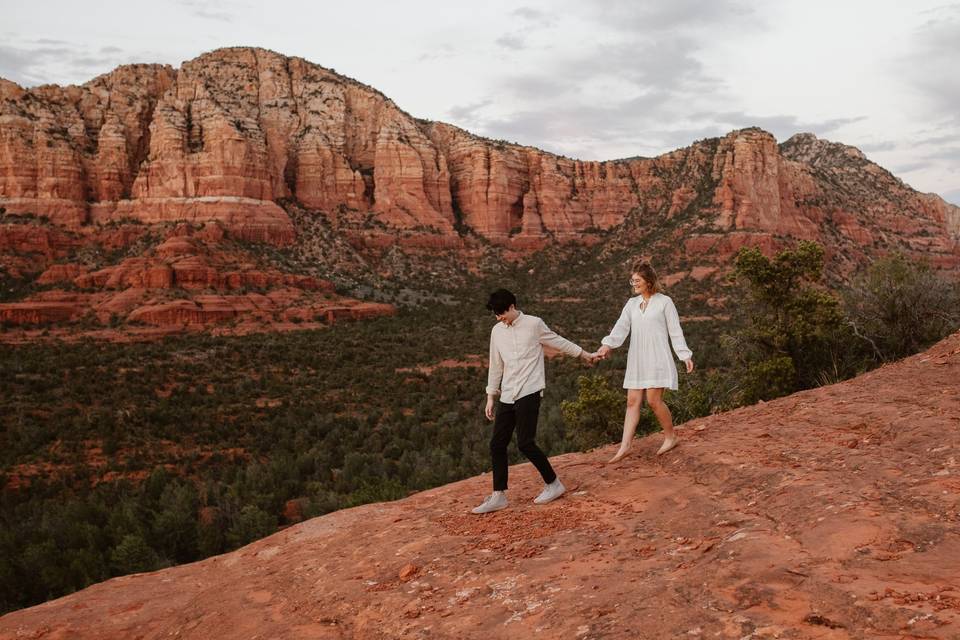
[652,330]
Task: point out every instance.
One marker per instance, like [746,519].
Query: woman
[648,318]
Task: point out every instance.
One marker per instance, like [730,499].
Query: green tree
[795,335]
[595,418]
[133,555]
[899,307]
[175,525]
[252,523]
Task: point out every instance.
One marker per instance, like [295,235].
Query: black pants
[522,415]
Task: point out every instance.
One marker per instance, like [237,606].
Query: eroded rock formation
[243,137]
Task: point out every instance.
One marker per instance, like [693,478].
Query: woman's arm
[676,333]
[620,330]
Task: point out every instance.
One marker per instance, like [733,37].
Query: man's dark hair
[500,300]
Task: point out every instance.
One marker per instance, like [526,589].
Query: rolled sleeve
[550,338]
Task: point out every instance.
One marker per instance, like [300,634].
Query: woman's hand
[603,352]
[689,364]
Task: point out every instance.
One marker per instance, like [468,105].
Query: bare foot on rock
[668,443]
[620,455]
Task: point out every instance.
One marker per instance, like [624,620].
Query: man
[516,373]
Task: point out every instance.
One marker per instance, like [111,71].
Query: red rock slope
[831,513]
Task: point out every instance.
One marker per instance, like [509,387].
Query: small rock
[408,571]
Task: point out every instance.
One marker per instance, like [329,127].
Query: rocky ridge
[241,136]
[831,513]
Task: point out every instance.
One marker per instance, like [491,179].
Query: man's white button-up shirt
[516,357]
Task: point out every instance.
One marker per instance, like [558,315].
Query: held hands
[596,356]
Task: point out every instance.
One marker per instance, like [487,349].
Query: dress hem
[655,384]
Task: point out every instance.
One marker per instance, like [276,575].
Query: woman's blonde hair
[642,268]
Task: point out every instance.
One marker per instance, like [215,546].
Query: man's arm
[494,377]
[549,338]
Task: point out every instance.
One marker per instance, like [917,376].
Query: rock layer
[185,282]
[235,131]
[246,138]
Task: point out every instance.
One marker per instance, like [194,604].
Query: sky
[589,79]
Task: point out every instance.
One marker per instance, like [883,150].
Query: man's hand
[489,409]
[589,358]
[689,364]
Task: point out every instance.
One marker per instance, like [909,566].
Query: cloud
[533,16]
[668,16]
[945,160]
[469,114]
[950,154]
[782,126]
[948,138]
[874,147]
[25,66]
[931,65]
[30,65]
[211,9]
[512,42]
[952,196]
[620,76]
[910,167]
[440,52]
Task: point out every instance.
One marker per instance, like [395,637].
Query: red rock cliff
[235,131]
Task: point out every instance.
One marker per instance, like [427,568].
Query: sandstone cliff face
[246,138]
[185,282]
[831,513]
[236,130]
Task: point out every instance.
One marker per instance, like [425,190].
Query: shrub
[251,524]
[133,555]
[900,308]
[794,329]
[700,394]
[595,418]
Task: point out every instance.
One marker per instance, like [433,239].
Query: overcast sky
[588,79]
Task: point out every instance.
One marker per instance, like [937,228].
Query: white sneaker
[494,502]
[550,492]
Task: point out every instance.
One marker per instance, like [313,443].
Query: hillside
[276,169]
[831,513]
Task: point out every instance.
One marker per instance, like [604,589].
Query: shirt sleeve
[676,333]
[495,370]
[620,330]
[549,338]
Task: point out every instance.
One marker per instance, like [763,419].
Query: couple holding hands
[516,374]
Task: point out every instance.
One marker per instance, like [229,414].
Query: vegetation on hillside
[130,457]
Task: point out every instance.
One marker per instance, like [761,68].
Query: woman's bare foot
[620,455]
[668,443]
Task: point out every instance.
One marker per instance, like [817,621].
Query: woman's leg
[630,421]
[660,409]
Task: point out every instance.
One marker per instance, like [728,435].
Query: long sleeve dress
[652,330]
